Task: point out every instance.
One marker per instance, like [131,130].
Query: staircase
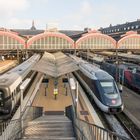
[49,127]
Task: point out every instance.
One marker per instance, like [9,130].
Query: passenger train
[10,85]
[100,85]
[128,74]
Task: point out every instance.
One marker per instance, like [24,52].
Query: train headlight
[113,101]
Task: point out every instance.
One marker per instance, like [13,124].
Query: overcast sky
[67,14]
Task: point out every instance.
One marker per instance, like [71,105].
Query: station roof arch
[130,41]
[10,40]
[96,40]
[50,40]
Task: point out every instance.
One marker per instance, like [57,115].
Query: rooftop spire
[33,26]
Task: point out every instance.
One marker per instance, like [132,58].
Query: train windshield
[109,88]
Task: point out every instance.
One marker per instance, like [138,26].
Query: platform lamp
[74,86]
[22,88]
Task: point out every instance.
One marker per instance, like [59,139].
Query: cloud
[80,17]
[21,23]
[10,7]
[18,23]
[86,8]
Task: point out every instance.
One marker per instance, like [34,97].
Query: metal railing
[14,129]
[87,131]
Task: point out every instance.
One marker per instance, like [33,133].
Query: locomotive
[100,85]
[10,85]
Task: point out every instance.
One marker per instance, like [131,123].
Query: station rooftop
[57,64]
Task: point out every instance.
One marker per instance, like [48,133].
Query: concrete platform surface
[47,99]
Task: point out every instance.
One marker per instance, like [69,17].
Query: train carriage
[10,85]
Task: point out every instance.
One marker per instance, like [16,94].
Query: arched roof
[127,37]
[47,34]
[13,35]
[92,35]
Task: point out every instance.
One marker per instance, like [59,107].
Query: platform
[132,105]
[6,64]
[51,105]
[47,100]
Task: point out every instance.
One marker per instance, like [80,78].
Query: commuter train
[128,74]
[100,85]
[10,85]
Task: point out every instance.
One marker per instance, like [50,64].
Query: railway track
[130,127]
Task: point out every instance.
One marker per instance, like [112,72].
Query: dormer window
[137,26]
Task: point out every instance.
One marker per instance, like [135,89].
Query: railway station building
[36,40]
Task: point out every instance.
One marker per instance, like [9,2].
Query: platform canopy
[55,65]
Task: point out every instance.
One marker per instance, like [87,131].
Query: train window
[108,87]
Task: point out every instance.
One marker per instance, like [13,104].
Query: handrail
[113,134]
[15,128]
[88,131]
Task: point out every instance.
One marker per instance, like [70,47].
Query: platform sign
[55,92]
[72,84]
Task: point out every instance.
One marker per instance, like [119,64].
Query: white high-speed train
[10,85]
[100,85]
